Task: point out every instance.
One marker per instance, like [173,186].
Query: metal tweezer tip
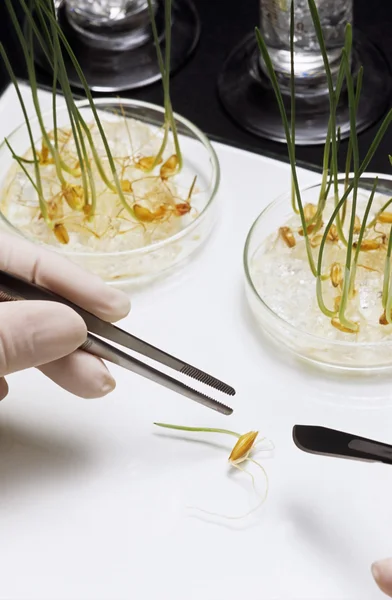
[199,397]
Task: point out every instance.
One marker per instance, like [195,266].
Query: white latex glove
[382,573]
[47,334]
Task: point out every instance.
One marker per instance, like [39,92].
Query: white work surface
[93,498]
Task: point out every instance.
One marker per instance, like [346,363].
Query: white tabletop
[93,498]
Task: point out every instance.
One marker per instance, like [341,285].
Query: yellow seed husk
[146,162]
[143,214]
[336,274]
[61,233]
[74,196]
[385,217]
[126,185]
[309,228]
[243,447]
[309,212]
[182,208]
[332,235]
[287,236]
[43,156]
[337,302]
[316,241]
[357,224]
[169,167]
[87,209]
[338,325]
[147,216]
[367,245]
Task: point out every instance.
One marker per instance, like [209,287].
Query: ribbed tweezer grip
[208,379]
[4,297]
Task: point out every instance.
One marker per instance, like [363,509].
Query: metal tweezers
[15,288]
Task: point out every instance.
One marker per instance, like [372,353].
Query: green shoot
[385,206]
[198,429]
[373,147]
[333,98]
[292,98]
[332,94]
[264,52]
[27,48]
[349,150]
[387,274]
[361,234]
[347,284]
[38,185]
[52,49]
[388,305]
[20,162]
[117,186]
[164,67]
[326,181]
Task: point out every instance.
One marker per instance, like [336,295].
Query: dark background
[194,88]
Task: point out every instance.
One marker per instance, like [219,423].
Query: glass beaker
[309,69]
[245,88]
[113,43]
[114,24]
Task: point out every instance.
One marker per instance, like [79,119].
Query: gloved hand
[47,334]
[382,573]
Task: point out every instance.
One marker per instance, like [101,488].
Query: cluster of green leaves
[42,28]
[330,174]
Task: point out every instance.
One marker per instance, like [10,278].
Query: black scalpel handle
[330,442]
